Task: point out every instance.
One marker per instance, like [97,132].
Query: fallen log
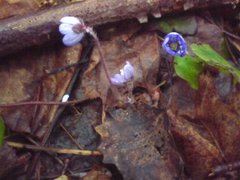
[38,28]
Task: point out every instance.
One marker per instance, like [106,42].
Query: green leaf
[2,130]
[165,27]
[183,25]
[189,69]
[212,58]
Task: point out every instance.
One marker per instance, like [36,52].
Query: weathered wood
[39,28]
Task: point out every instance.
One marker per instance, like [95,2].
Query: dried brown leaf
[9,8]
[139,145]
[11,164]
[141,51]
[22,80]
[205,124]
[222,118]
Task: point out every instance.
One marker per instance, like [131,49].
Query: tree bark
[42,27]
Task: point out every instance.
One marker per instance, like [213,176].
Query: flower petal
[176,38]
[70,20]
[118,80]
[65,28]
[72,38]
[65,98]
[128,71]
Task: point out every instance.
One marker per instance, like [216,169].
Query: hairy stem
[103,60]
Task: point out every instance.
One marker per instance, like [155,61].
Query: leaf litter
[185,134]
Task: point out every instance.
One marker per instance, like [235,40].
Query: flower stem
[103,60]
[104,64]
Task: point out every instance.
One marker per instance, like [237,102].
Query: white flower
[125,75]
[65,98]
[71,37]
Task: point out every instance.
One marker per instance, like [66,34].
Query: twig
[40,103]
[54,150]
[41,27]
[70,136]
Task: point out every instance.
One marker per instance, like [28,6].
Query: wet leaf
[139,145]
[12,165]
[25,78]
[199,154]
[220,117]
[212,58]
[75,130]
[189,69]
[204,127]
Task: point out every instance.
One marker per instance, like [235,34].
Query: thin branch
[54,150]
[41,27]
[40,103]
[70,136]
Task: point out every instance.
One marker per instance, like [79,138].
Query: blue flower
[125,75]
[174,44]
[70,27]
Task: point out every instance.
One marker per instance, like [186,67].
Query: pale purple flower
[125,75]
[174,44]
[71,28]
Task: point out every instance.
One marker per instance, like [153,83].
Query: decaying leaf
[205,128]
[24,78]
[137,143]
[221,118]
[75,131]
[141,51]
[14,164]
[9,8]
[98,173]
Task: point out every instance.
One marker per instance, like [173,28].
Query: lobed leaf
[189,69]
[209,56]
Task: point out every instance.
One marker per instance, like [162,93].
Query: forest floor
[159,125]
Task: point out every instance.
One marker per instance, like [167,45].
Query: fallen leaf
[205,128]
[98,173]
[24,78]
[138,144]
[79,123]
[12,165]
[141,51]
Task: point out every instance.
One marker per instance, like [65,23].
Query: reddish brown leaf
[222,118]
[205,125]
